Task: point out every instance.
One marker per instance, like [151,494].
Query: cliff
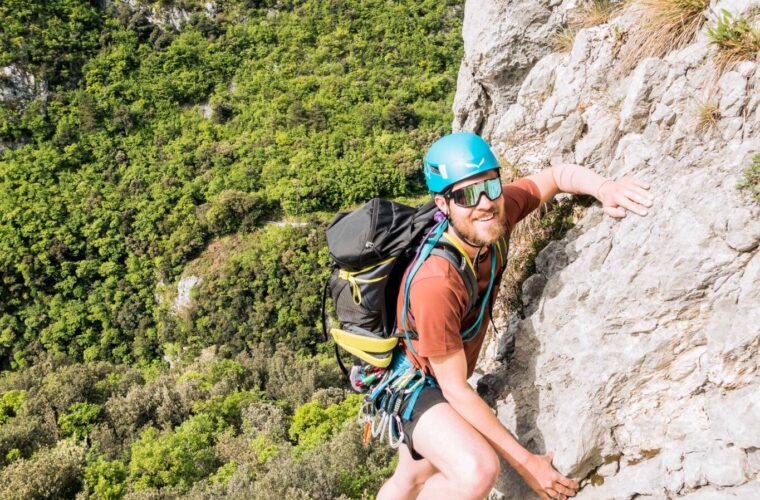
[637,347]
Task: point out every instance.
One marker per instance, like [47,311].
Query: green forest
[146,141]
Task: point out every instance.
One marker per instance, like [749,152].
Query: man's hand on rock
[626,194]
[543,478]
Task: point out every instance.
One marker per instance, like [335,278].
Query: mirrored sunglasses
[469,196]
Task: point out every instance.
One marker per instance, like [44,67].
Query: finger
[634,207]
[555,494]
[642,192]
[560,488]
[569,483]
[616,212]
[638,198]
[635,182]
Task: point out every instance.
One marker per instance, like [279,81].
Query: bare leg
[465,464]
[408,478]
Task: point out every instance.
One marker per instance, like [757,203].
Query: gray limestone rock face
[636,355]
[17,84]
[502,42]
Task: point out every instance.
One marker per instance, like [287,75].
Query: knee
[402,485]
[479,474]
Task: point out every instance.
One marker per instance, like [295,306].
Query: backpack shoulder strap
[502,248]
[452,254]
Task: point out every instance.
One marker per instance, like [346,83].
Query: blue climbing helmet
[455,157]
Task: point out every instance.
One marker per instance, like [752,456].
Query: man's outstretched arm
[617,196]
[536,470]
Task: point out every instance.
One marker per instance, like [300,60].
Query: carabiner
[377,428]
[404,379]
[415,385]
[365,411]
[399,431]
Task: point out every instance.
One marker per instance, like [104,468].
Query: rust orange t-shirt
[438,296]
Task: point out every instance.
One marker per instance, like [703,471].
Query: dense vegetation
[146,140]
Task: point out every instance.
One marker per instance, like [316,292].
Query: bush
[234,211]
[313,423]
[10,404]
[52,473]
[226,410]
[79,421]
[106,479]
[174,458]
[265,419]
[26,435]
[338,468]
[158,403]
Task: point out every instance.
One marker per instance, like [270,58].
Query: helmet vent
[434,169]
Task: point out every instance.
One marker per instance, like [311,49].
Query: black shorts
[429,397]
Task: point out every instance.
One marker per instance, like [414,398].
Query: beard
[478,234]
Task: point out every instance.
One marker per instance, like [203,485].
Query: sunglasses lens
[493,188]
[468,196]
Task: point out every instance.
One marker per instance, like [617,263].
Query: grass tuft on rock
[708,115]
[736,39]
[598,12]
[593,13]
[751,180]
[663,26]
[563,40]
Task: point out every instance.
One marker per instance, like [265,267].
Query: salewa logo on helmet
[472,165]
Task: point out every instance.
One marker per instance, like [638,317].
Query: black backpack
[370,249]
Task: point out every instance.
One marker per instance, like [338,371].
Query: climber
[453,439]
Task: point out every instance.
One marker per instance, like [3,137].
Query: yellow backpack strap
[501,247]
[374,350]
[458,246]
[351,277]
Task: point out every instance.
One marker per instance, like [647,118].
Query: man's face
[482,224]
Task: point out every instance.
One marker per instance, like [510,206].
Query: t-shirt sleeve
[521,198]
[437,309]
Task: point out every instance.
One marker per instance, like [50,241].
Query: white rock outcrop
[637,353]
[184,287]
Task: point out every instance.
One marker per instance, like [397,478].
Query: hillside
[149,143]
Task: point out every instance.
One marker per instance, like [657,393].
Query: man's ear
[440,202]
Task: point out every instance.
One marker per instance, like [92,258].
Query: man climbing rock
[453,439]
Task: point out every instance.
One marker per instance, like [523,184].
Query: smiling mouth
[486,218]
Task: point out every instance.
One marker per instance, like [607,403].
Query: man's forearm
[577,180]
[567,178]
